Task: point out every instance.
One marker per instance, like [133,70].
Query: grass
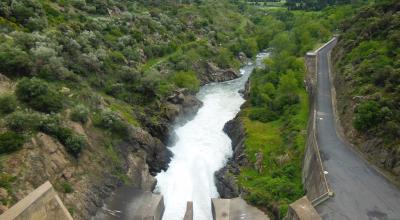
[125,112]
[279,183]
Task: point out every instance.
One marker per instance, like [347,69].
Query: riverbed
[202,148]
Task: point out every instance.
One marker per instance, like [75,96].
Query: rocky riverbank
[224,180]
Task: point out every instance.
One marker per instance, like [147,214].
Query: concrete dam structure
[41,204]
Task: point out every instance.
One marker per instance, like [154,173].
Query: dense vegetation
[367,66]
[67,55]
[112,63]
[102,66]
[276,116]
[315,4]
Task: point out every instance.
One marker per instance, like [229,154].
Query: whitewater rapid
[201,149]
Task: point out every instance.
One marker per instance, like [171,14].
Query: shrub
[38,94]
[72,142]
[367,116]
[10,142]
[284,101]
[67,187]
[109,120]
[263,114]
[80,114]
[186,80]
[14,61]
[22,121]
[8,104]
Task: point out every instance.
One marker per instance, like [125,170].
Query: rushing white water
[202,148]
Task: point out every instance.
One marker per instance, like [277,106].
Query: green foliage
[367,69]
[368,115]
[10,142]
[226,59]
[39,95]
[6,181]
[263,115]
[109,120]
[28,122]
[80,113]
[8,104]
[276,117]
[14,61]
[20,121]
[67,187]
[72,142]
[186,80]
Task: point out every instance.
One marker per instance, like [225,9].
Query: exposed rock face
[215,74]
[177,108]
[181,105]
[157,154]
[92,176]
[225,181]
[243,58]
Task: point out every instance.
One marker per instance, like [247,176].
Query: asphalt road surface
[361,193]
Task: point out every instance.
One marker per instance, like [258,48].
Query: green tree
[39,95]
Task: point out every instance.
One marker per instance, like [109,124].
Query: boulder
[215,74]
[242,57]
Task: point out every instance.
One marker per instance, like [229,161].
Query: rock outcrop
[225,177]
[156,153]
[212,73]
[84,183]
[179,107]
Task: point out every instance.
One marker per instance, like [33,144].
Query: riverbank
[270,130]
[201,149]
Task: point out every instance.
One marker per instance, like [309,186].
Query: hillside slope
[367,79]
[89,89]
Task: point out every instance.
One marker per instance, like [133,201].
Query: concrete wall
[314,179]
[41,204]
[313,176]
[235,209]
[189,211]
[302,209]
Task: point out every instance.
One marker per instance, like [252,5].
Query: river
[202,148]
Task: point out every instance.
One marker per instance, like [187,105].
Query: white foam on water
[202,148]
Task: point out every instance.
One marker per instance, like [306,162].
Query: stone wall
[41,204]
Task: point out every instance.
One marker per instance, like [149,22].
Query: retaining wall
[313,177]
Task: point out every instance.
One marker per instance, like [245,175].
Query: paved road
[361,193]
